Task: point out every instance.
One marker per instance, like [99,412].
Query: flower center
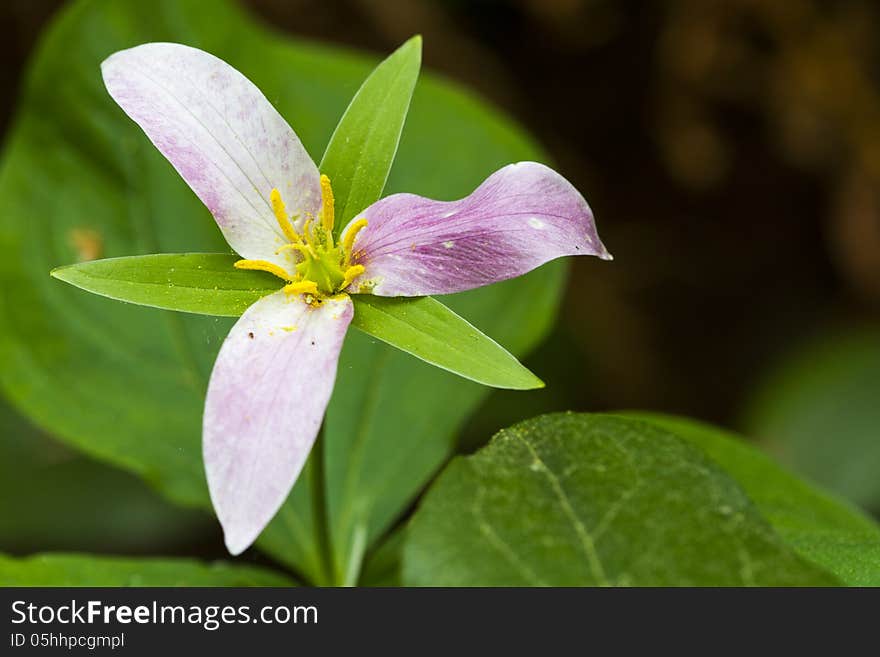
[324,267]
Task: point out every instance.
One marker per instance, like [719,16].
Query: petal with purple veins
[522,216]
[222,135]
[266,399]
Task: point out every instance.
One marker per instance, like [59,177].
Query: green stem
[352,572]
[320,512]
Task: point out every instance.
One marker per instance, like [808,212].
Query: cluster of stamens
[324,268]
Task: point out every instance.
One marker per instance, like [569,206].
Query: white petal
[522,216]
[266,399]
[222,135]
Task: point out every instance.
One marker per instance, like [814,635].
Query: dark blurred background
[730,151]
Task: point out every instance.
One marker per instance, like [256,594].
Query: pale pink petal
[520,217]
[266,399]
[222,135]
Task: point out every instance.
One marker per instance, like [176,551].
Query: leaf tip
[535,383]
[528,382]
[414,43]
[58,272]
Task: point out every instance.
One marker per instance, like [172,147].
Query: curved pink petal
[522,216]
[221,134]
[270,386]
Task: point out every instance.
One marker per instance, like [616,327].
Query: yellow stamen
[327,211]
[263,265]
[350,236]
[288,247]
[281,216]
[306,249]
[350,274]
[323,267]
[302,287]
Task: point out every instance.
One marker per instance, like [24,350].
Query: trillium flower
[274,374]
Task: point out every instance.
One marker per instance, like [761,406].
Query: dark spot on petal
[313,343]
[251,335]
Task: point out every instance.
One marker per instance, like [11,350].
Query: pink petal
[266,399]
[520,217]
[221,134]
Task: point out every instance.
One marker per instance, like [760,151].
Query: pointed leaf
[203,283]
[427,329]
[362,148]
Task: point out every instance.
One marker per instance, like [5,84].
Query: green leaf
[828,531]
[582,500]
[819,412]
[86,570]
[52,498]
[65,505]
[207,283]
[203,283]
[362,148]
[427,329]
[126,384]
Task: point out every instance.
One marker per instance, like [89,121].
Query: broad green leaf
[52,498]
[207,283]
[75,503]
[126,384]
[203,283]
[828,531]
[87,570]
[362,148]
[585,500]
[819,413]
[427,329]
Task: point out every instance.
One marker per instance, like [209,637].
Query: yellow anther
[323,267]
[350,236]
[302,287]
[327,210]
[350,274]
[288,247]
[281,216]
[263,265]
